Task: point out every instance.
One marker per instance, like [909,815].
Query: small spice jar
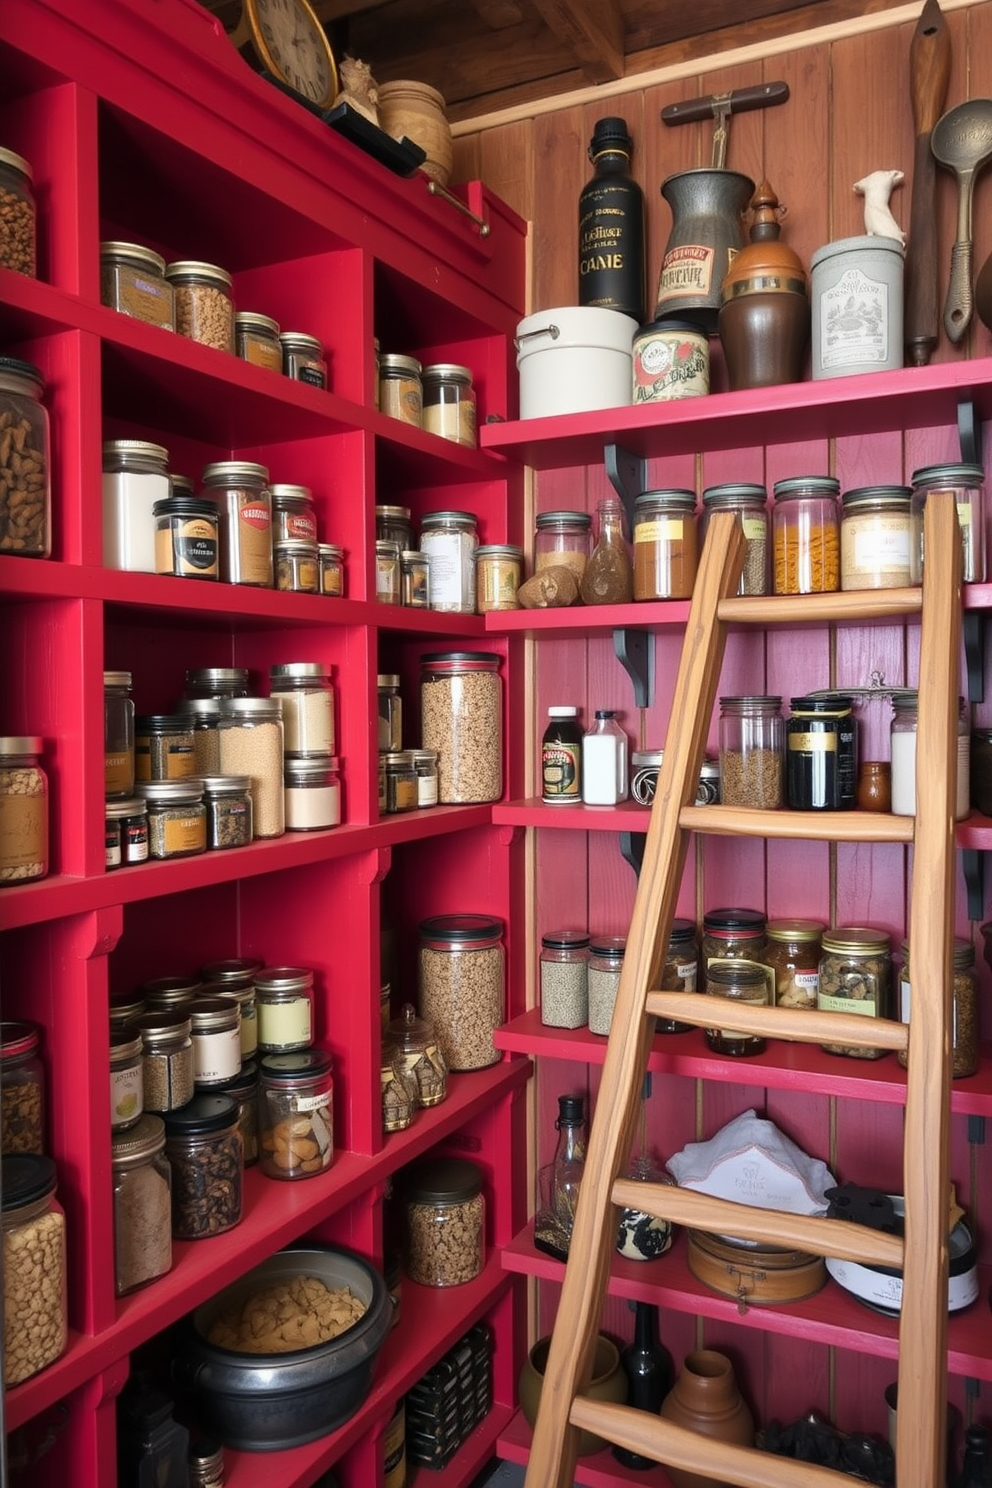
[203,1145]
[171,992]
[752,752]
[401,780]
[680,970]
[241,490]
[806,535]
[390,712]
[855,976]
[313,794]
[461,716]
[297,566]
[133,282]
[34,1267]
[251,743]
[235,979]
[450,538]
[449,402]
[216,682]
[284,1000]
[734,934]
[392,524]
[22,1089]
[243,1090]
[118,735]
[401,393]
[425,765]
[303,358]
[563,539]
[26,522]
[665,550]
[749,503]
[23,809]
[204,308]
[330,558]
[215,1026]
[564,973]
[142,1187]
[461,980]
[256,340]
[186,537]
[821,754]
[964,485]
[902,743]
[387,572]
[605,966]
[964,1008]
[445,1216]
[737,981]
[135,476]
[414,1048]
[18,215]
[793,953]
[126,1083]
[305,692]
[294,516]
[296,1113]
[876,538]
[415,579]
[229,810]
[177,817]
[206,1464]
[125,1007]
[164,747]
[498,569]
[166,1059]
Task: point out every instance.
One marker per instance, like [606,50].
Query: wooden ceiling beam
[498,13]
[593,30]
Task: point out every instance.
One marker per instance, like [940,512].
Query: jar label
[125,1095]
[112,845]
[184,834]
[310,373]
[134,840]
[254,539]
[854,321]
[755,528]
[670,365]
[427,790]
[186,548]
[560,772]
[662,529]
[825,743]
[331,579]
[313,1102]
[296,526]
[687,270]
[686,973]
[23,833]
[118,773]
[883,549]
[283,1025]
[216,1056]
[863,1007]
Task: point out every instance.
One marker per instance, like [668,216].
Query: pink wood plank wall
[849,113]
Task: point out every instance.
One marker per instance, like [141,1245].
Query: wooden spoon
[929,70]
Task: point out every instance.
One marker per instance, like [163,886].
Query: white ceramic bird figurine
[876,189]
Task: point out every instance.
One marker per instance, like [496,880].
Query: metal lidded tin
[671,359]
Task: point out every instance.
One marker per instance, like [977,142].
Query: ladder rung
[820,609]
[794,1024]
[823,1237]
[807,826]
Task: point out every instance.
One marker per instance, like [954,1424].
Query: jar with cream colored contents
[905,720]
[204,307]
[449,402]
[251,743]
[806,535]
[498,569]
[313,793]
[135,477]
[964,485]
[665,550]
[284,1000]
[216,1033]
[234,978]
[401,394]
[450,539]
[305,692]
[34,1267]
[876,533]
[296,1113]
[563,539]
[256,339]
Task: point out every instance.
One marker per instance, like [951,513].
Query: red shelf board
[626,817]
[583,620]
[599,1470]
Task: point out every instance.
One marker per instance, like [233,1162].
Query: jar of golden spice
[401,393]
[665,550]
[806,535]
[498,568]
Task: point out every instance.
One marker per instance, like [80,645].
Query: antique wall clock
[287,40]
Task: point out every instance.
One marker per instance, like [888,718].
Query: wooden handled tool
[720,106]
[929,70]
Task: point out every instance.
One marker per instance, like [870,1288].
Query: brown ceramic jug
[764,315]
[705,1399]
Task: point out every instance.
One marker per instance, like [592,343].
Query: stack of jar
[438,398]
[414,1074]
[449,571]
[126,814]
[408,778]
[312,784]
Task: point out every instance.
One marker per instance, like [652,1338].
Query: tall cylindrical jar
[605,965]
[135,477]
[26,513]
[118,735]
[244,502]
[450,539]
[752,751]
[34,1267]
[856,293]
[905,719]
[462,718]
[965,1018]
[855,977]
[296,1113]
[142,1182]
[564,968]
[806,535]
[821,754]
[462,986]
[749,503]
[304,690]
[251,743]
[204,307]
[23,810]
[876,532]
[964,485]
[206,1154]
[665,552]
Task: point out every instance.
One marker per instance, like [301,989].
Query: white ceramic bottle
[604,761]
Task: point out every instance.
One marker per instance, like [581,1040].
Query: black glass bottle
[650,1374]
[976,1470]
[611,225]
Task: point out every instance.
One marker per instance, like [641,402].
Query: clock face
[294,48]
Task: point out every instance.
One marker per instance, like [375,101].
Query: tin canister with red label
[671,359]
[241,491]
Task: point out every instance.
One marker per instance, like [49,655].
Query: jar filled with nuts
[204,308]
[22,1089]
[296,1113]
[23,810]
[204,1148]
[855,977]
[462,718]
[462,976]
[18,231]
[25,462]
[793,953]
[34,1267]
[445,1212]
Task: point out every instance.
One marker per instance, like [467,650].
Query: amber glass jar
[665,549]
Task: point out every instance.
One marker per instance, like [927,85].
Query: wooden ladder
[923,1253]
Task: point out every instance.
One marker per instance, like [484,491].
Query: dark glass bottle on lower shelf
[650,1374]
[976,1470]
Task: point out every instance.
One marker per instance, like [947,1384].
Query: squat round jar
[876,538]
[215,1024]
[34,1267]
[22,1089]
[236,979]
[164,747]
[401,780]
[297,566]
[401,393]
[187,542]
[177,817]
[749,503]
[256,339]
[296,1113]
[564,969]
[313,794]
[294,516]
[964,485]
[793,953]
[806,535]
[498,568]
[18,228]
[462,979]
[303,358]
[411,1044]
[204,308]
[205,1152]
[741,982]
[665,552]
[462,719]
[449,402]
[23,810]
[735,934]
[446,1222]
[563,539]
[284,1001]
[26,523]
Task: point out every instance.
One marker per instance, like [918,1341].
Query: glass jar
[296,1113]
[35,1329]
[735,934]
[446,1221]
[498,570]
[177,817]
[876,538]
[217,682]
[415,579]
[229,810]
[449,402]
[450,538]
[965,1017]
[414,1047]
[215,1026]
[251,743]
[186,537]
[125,1007]
[461,979]
[313,794]
[680,970]
[25,462]
[285,1003]
[390,712]
[118,735]
[806,535]
[133,282]
[135,478]
[964,485]
[297,566]
[392,524]
[203,1145]
[171,992]
[752,752]
[821,754]
[303,358]
[564,973]
[235,979]
[330,558]
[604,761]
[902,737]
[605,966]
[793,953]
[387,572]
[164,747]
[205,716]
[425,764]
[204,307]
[401,393]
[23,810]
[18,215]
[166,1059]
[294,516]
[397,1089]
[743,982]
[563,539]
[401,781]
[22,1089]
[126,1088]
[304,690]
[241,490]
[749,503]
[243,1090]
[855,977]
[256,340]
[665,550]
[462,718]
[206,1464]
[142,1188]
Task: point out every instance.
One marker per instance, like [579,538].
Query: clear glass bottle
[401,394]
[126,1085]
[251,743]
[680,971]
[609,574]
[604,761]
[449,402]
[296,1113]
[135,478]
[118,735]
[559,1183]
[26,523]
[752,752]
[204,307]
[204,1148]
[133,282]
[737,981]
[446,1222]
[305,691]
[313,794]
[256,340]
[498,570]
[603,972]
[793,953]
[229,810]
[18,217]
[749,503]
[23,810]
[806,535]
[876,538]
[241,490]
[964,485]
[285,1002]
[142,1183]
[965,1016]
[563,539]
[450,539]
[902,739]
[665,550]
[22,1089]
[303,358]
[461,717]
[855,977]
[462,979]
[34,1267]
[564,974]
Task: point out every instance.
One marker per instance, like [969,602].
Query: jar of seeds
[445,1215]
[229,810]
[855,977]
[23,810]
[17,215]
[22,1089]
[564,966]
[752,752]
[203,1145]
[296,1113]
[462,981]
[142,1182]
[251,743]
[177,817]
[462,718]
[164,748]
[605,966]
[34,1267]
[204,307]
[166,1060]
[749,503]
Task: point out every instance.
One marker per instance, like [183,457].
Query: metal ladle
[962,143]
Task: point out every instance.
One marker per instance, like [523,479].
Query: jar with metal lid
[563,539]
[806,535]
[133,282]
[125,1007]
[35,1330]
[449,402]
[401,393]
[392,524]
[23,810]
[461,716]
[462,979]
[498,571]
[187,537]
[251,743]
[964,485]
[313,794]
[256,340]
[206,1464]
[387,572]
[564,974]
[284,999]
[734,934]
[241,490]
[793,953]
[204,307]
[118,735]
[142,1187]
[605,965]
[425,764]
[965,1017]
[18,215]
[164,747]
[401,780]
[177,817]
[205,716]
[217,682]
[413,1044]
[303,358]
[125,833]
[665,545]
[680,970]
[181,485]
[902,740]
[855,977]
[304,690]
[171,992]
[390,712]
[749,503]
[229,810]
[296,1113]
[294,516]
[821,754]
[235,979]
[215,1027]
[135,478]
[203,1145]
[743,982]
[450,538]
[670,358]
[243,1090]
[26,513]
[330,559]
[166,1059]
[415,579]
[876,538]
[446,1222]
[22,1089]
[752,752]
[126,1085]
[297,566]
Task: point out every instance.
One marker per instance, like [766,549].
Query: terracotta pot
[705,1399]
[608,1383]
[417,111]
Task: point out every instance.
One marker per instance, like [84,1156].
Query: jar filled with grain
[18,215]
[229,810]
[401,393]
[126,1083]
[166,1059]
[284,999]
[876,533]
[741,982]
[34,1267]
[963,484]
[142,1186]
[498,571]
[462,718]
[22,1089]
[462,986]
[965,1019]
[450,538]
[133,282]
[605,966]
[330,558]
[215,1025]
[564,973]
[413,1045]
[296,1113]
[749,503]
[205,716]
[806,535]
[241,490]
[680,970]
[855,977]
[449,403]
[216,682]
[25,461]
[23,810]
[203,1145]
[793,953]
[251,743]
[752,752]
[303,358]
[243,1090]
[294,516]
[563,539]
[665,550]
[256,340]
[735,934]
[305,692]
[204,307]
[177,817]
[446,1222]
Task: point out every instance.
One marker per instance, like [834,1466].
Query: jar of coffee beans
[204,1148]
[445,1212]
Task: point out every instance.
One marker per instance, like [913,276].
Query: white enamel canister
[856,296]
[574,358]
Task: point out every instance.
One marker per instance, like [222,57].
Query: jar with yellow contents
[806,535]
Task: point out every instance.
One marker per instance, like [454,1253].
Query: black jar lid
[167,723]
[562,518]
[449,1180]
[608,945]
[751,921]
[26,1178]
[571,1110]
[298,1064]
[443,658]
[731,492]
[836,702]
[681,931]
[565,940]
[185,506]
[204,1113]
[671,323]
[459,928]
[244,1083]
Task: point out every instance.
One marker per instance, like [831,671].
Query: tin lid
[209,1013]
[300,341]
[134,253]
[566,940]
[465,661]
[387,679]
[26,1178]
[125,1005]
[298,769]
[283,493]
[748,921]
[164,1027]
[225,785]
[647,758]
[547,519]
[217,677]
[499,550]
[449,1180]
[885,498]
[412,556]
[391,361]
[185,506]
[247,708]
[459,928]
[682,931]
[141,449]
[564,710]
[181,485]
[822,486]
[203,1114]
[14,744]
[393,513]
[132,806]
[236,970]
[230,472]
[10,157]
[168,990]
[649,500]
[17,368]
[117,679]
[424,756]
[191,268]
[448,372]
[672,325]
[203,711]
[171,792]
[124,1043]
[948,475]
[18,1038]
[300,1064]
[804,930]
[139,1142]
[752,700]
[289,671]
[386,547]
[253,320]
[430,520]
[397,759]
[295,547]
[163,723]
[856,940]
[734,493]
[283,979]
[330,550]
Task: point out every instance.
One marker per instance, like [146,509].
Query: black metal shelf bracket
[973,868]
[635,652]
[627,475]
[632,849]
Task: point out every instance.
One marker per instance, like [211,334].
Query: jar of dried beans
[23,810]
[142,1180]
[664,544]
[749,503]
[445,1215]
[22,1089]
[251,743]
[752,752]
[34,1267]
[855,977]
[25,462]
[204,1148]
[806,535]
[296,1113]
[462,982]
[793,953]
[462,718]
[204,307]
[18,229]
